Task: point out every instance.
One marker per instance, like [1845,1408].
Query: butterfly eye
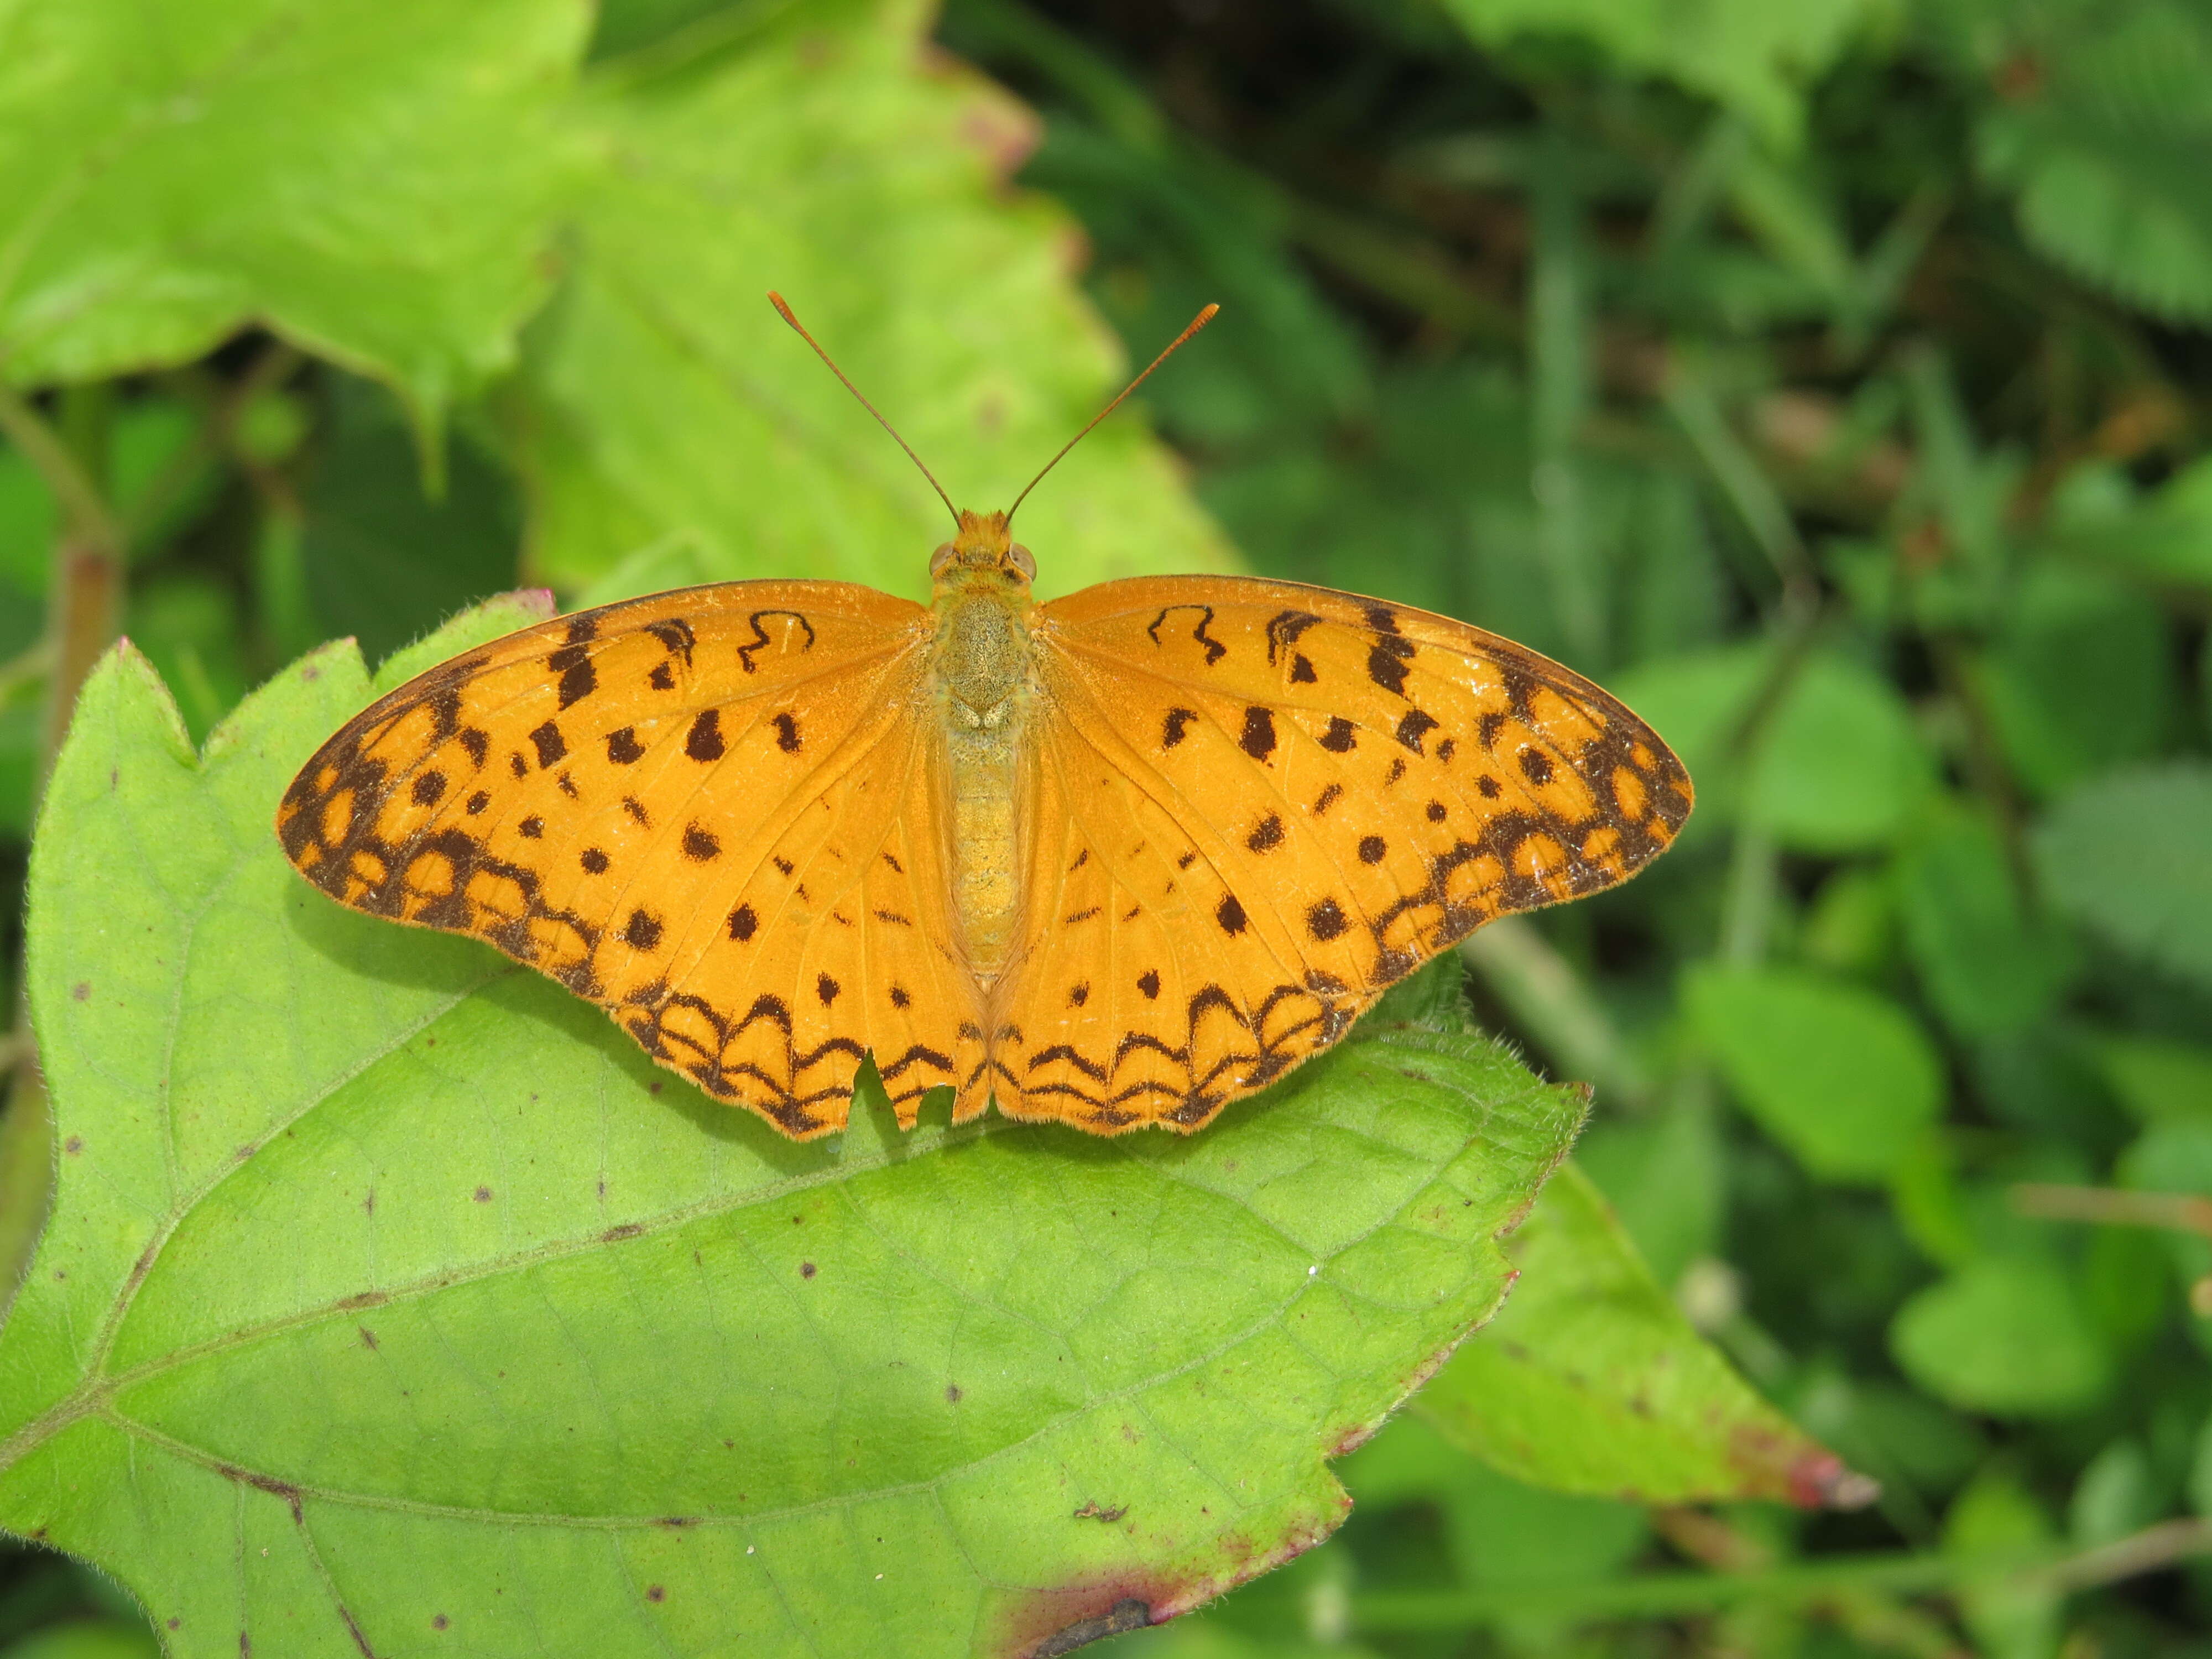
[940,559]
[1024,562]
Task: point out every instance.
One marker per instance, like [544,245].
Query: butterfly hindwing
[699,809]
[1270,802]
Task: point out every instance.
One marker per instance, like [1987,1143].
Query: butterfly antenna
[783,310]
[1196,324]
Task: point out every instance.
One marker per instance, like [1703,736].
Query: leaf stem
[74,486]
[84,597]
[2114,1207]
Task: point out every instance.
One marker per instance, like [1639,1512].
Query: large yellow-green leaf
[392,1298]
[829,156]
[1591,1381]
[374,179]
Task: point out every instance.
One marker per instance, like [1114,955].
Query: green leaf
[2126,857]
[1751,57]
[1837,768]
[2156,1079]
[2165,539]
[2081,678]
[1988,966]
[2117,1494]
[383,560]
[2005,1335]
[1665,1174]
[1497,1530]
[1835,765]
[2107,147]
[663,401]
[1844,1078]
[88,1638]
[2012,1616]
[378,1254]
[372,178]
[1590,1380]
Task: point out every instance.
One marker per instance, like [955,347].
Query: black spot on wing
[548,743]
[1386,663]
[579,680]
[675,636]
[1258,739]
[1414,727]
[703,742]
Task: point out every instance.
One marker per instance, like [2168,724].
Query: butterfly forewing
[706,811]
[1266,803]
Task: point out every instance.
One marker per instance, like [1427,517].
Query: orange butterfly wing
[708,811]
[1260,804]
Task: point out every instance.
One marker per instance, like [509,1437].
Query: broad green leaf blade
[665,403]
[1844,1078]
[1839,767]
[1590,1380]
[2007,1336]
[374,179]
[2108,153]
[2125,856]
[1988,962]
[1835,765]
[382,1256]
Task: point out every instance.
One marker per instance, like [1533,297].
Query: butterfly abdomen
[983,699]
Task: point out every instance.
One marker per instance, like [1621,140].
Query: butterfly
[1113,861]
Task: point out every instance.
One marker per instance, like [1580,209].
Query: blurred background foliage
[1830,379]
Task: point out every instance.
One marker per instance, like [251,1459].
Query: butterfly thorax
[983,689]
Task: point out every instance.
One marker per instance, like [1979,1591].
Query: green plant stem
[1559,387]
[84,599]
[73,485]
[1665,1595]
[1985,757]
[1689,400]
[1556,1006]
[1754,877]
[84,595]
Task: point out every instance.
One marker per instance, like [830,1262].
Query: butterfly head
[982,555]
